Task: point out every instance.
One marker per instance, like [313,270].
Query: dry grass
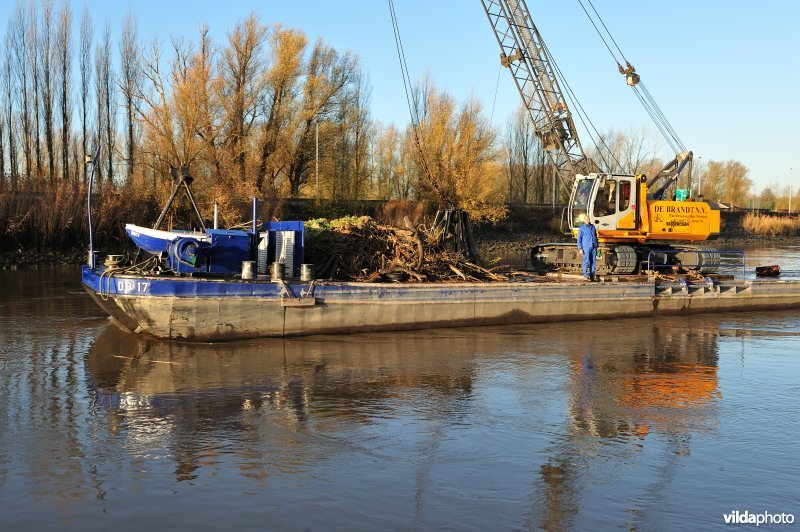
[765,225]
[52,216]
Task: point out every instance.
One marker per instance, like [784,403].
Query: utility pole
[316,172]
[790,191]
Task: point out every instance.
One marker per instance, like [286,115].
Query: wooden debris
[362,250]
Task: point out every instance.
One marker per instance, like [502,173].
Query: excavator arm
[668,175]
[524,53]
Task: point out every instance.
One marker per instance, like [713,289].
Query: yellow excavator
[638,223]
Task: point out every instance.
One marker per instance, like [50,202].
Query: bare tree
[391,176]
[87,34]
[457,144]
[171,107]
[129,80]
[105,101]
[64,62]
[9,93]
[2,130]
[526,180]
[362,134]
[33,54]
[354,133]
[154,109]
[19,46]
[768,199]
[286,68]
[209,127]
[241,69]
[46,54]
[726,181]
[327,75]
[186,101]
[630,152]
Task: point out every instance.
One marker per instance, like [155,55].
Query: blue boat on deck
[156,241]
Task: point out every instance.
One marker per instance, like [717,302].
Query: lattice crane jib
[526,56]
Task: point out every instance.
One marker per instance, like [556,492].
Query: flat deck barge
[218,309]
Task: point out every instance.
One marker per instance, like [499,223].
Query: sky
[726,73]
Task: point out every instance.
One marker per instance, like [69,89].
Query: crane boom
[523,51]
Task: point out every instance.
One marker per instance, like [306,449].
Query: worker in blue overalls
[587,247]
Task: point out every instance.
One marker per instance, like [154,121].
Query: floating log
[768,271]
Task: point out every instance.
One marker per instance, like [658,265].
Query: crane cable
[644,96]
[583,116]
[413,104]
[496,88]
[639,88]
[648,104]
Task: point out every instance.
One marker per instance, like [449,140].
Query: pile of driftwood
[359,249]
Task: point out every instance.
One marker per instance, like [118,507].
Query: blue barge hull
[209,309]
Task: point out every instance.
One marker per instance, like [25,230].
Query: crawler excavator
[637,227]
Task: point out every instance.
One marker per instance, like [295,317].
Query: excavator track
[621,259]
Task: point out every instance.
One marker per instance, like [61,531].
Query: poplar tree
[105,102]
[130,79]
[19,47]
[85,61]
[46,56]
[64,71]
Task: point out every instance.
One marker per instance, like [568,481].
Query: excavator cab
[579,202]
[610,201]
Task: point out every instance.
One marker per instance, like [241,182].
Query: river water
[638,424]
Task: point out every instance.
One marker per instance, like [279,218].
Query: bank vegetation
[771,226]
[262,112]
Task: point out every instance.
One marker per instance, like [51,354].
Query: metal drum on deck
[278,270]
[248,269]
[306,272]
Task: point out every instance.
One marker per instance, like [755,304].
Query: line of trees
[264,112]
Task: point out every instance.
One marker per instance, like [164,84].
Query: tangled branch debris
[359,249]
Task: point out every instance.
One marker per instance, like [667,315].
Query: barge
[212,285]
[231,308]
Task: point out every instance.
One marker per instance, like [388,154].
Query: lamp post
[699,175]
[316,171]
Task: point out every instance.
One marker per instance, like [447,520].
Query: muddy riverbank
[29,259]
[492,244]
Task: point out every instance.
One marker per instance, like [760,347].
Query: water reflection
[200,393]
[650,372]
[287,406]
[627,381]
[584,425]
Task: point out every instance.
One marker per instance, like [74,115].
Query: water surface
[642,424]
